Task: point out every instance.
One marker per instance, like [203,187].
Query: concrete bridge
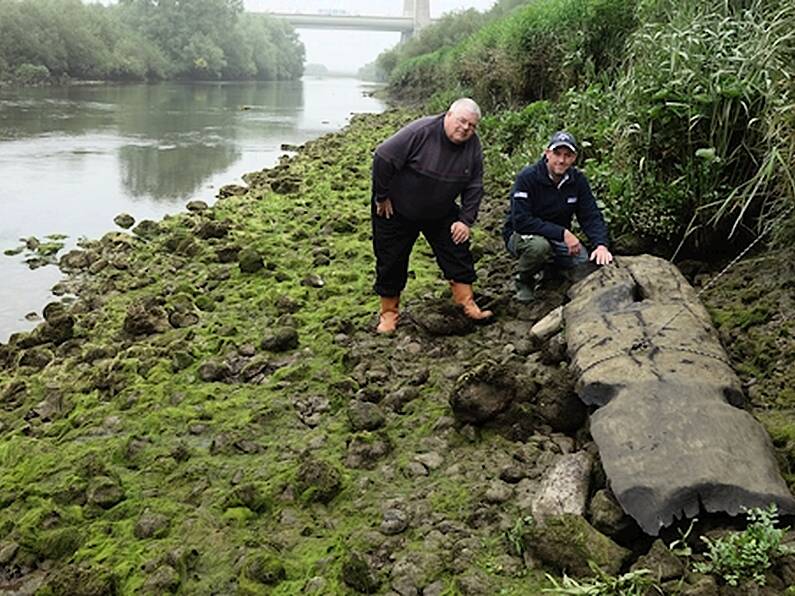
[416,15]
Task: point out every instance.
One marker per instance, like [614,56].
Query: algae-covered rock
[365,449]
[365,416]
[124,220]
[36,358]
[76,260]
[214,370]
[663,564]
[264,567]
[196,206]
[317,481]
[228,253]
[250,261]
[145,318]
[58,543]
[282,339]
[151,525]
[231,190]
[164,580]
[567,542]
[357,574]
[252,496]
[77,580]
[213,229]
[147,229]
[104,492]
[606,514]
[182,244]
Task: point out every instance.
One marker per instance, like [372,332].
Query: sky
[347,51]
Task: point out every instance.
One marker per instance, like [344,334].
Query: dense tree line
[43,40]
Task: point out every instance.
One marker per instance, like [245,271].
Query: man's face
[559,160]
[459,126]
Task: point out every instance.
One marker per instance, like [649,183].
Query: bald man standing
[417,175]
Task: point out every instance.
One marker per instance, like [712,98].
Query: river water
[72,158]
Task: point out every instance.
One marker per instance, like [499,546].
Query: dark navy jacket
[422,172]
[539,207]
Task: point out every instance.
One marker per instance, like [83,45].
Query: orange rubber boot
[463,296]
[388,319]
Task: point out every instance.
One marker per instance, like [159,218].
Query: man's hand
[601,255]
[384,208]
[459,231]
[572,243]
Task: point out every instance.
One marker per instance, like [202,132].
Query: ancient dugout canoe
[669,423]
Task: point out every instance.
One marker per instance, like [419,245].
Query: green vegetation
[684,109]
[53,40]
[748,554]
[632,583]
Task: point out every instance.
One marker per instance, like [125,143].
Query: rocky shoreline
[213,413]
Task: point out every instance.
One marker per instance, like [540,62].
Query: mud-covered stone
[365,416]
[357,574]
[567,542]
[124,220]
[366,449]
[606,514]
[280,340]
[231,190]
[663,564]
[36,358]
[482,394]
[196,206]
[213,229]
[214,370]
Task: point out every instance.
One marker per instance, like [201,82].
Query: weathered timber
[670,427]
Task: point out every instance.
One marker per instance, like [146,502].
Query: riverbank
[214,414]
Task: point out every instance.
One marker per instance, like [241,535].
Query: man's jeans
[535,252]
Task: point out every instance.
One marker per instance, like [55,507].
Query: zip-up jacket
[422,172]
[540,207]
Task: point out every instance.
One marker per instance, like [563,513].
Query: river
[72,158]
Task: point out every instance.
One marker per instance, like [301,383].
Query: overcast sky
[346,51]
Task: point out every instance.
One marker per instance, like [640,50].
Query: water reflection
[71,158]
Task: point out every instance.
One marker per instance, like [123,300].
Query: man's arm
[593,224]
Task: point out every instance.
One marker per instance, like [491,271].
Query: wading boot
[525,287]
[463,296]
[388,319]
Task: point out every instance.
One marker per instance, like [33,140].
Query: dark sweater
[539,207]
[423,172]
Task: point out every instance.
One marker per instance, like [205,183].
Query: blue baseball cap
[563,139]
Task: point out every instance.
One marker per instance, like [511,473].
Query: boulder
[124,220]
[481,394]
[567,543]
[669,429]
[564,488]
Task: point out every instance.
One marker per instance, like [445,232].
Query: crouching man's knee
[532,251]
